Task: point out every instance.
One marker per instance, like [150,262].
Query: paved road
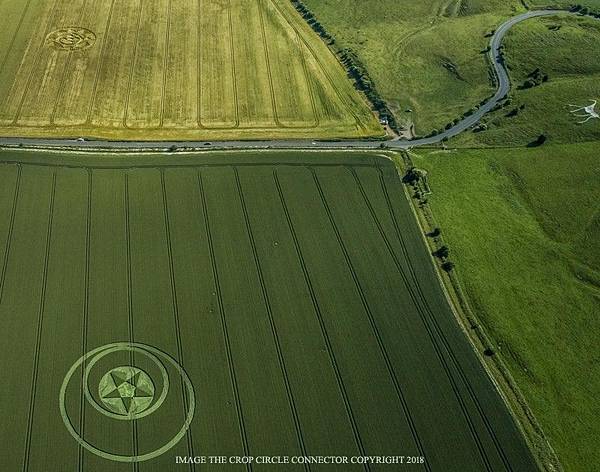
[468,122]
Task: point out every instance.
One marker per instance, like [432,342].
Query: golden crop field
[171,69]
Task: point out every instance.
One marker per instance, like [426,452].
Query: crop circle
[123,382]
[71,39]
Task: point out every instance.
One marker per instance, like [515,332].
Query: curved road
[469,121]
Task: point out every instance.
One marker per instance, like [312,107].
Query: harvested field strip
[254,67]
[217,79]
[294,290]
[25,66]
[18,12]
[61,90]
[95,78]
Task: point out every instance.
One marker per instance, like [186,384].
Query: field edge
[467,319]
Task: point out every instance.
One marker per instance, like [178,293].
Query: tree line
[354,67]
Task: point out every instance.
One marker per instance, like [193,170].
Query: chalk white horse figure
[589,112]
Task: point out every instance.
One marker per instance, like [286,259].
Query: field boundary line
[133,64]
[86,311]
[181,165]
[130,303]
[431,334]
[523,418]
[40,322]
[464,378]
[319,316]
[230,362]
[88,120]
[11,225]
[373,324]
[165,66]
[60,92]
[38,55]
[273,325]
[175,308]
[424,307]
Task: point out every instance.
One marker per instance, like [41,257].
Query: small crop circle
[126,390]
[71,39]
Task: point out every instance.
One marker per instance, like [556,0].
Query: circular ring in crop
[129,379]
[110,407]
[71,39]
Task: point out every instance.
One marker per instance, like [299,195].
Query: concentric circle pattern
[124,392]
[71,39]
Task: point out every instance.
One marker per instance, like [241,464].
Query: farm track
[86,309]
[88,120]
[503,82]
[9,236]
[265,48]
[132,65]
[166,66]
[14,36]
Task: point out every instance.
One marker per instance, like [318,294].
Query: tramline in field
[277,304]
[169,69]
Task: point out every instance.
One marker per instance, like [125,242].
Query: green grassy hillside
[426,60]
[522,226]
[567,50]
[423,56]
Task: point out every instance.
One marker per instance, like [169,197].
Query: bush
[442,252]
